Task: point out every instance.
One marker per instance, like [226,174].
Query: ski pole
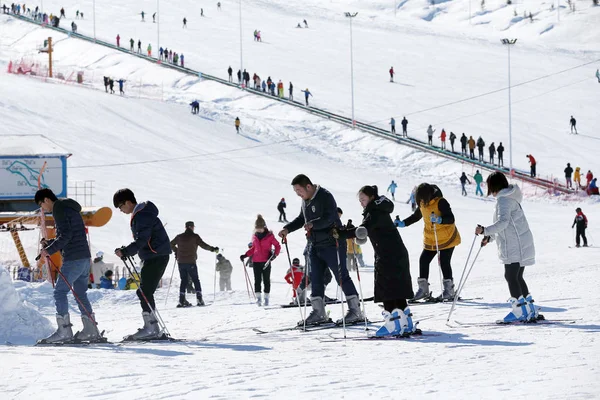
[339,267]
[458,288]
[247,280]
[287,251]
[463,285]
[215,280]
[170,282]
[137,278]
[437,249]
[362,299]
[307,270]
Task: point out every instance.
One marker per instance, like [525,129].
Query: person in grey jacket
[516,249]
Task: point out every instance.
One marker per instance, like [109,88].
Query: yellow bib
[447,234]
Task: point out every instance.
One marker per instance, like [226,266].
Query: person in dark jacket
[404,126]
[229,73]
[185,246]
[582,223]
[106,280]
[281,208]
[452,139]
[463,145]
[239,76]
[480,146]
[463,181]
[492,150]
[568,174]
[500,150]
[71,241]
[393,283]
[151,243]
[319,218]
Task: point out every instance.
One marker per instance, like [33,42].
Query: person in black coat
[452,139]
[500,150]
[568,173]
[393,284]
[463,144]
[281,208]
[480,146]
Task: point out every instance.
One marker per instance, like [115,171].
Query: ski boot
[406,323]
[149,331]
[200,301]
[183,302]
[258,298]
[519,311]
[448,293]
[266,303]
[534,311]
[63,333]
[354,314]
[423,292]
[318,315]
[391,324]
[90,332]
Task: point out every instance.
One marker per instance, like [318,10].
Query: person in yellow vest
[237,124]
[577,178]
[439,233]
[354,256]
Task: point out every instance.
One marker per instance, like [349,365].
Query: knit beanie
[260,222]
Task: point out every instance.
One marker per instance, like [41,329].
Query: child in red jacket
[294,277]
[262,254]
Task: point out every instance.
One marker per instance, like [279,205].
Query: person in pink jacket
[262,255]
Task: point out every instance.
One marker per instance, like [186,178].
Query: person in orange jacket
[577,178]
[294,277]
[588,177]
[443,137]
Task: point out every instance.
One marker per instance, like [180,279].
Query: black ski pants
[500,159]
[391,305]
[262,274]
[580,234]
[445,258]
[513,273]
[189,272]
[282,217]
[152,272]
[472,154]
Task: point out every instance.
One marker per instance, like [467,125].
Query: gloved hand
[435,219]
[361,233]
[401,224]
[361,242]
[215,249]
[479,230]
[485,240]
[242,257]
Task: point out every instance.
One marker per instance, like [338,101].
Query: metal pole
[158,26]
[241,47]
[395,6]
[94,14]
[509,115]
[352,73]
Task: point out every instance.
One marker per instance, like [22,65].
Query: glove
[435,219]
[361,233]
[485,240]
[360,242]
[242,257]
[401,224]
[215,249]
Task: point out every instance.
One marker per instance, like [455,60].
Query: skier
[184,22]
[593,187]
[272,88]
[121,83]
[463,145]
[305,24]
[492,150]
[588,177]
[139,47]
[118,40]
[280,89]
[392,189]
[246,77]
[106,280]
[393,283]
[463,181]
[264,86]
[154,18]
[294,277]
[533,164]
[219,6]
[291,91]
[306,94]
[573,123]
[443,138]
[149,50]
[515,244]
[281,208]
[478,178]
[440,236]
[237,124]
[392,74]
[181,61]
[452,139]
[581,222]
[185,246]
[412,200]
[480,146]
[131,42]
[568,173]
[577,178]
[404,126]
[320,220]
[143,14]
[262,254]
[111,85]
[471,148]
[500,151]
[106,84]
[224,269]
[71,241]
[151,244]
[239,76]
[598,74]
[229,72]
[202,12]
[430,135]
[393,124]
[161,52]
[62,13]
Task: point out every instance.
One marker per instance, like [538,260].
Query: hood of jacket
[512,192]
[382,204]
[60,206]
[146,208]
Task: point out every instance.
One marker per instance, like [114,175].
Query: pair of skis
[312,328]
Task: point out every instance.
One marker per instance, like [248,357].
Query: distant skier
[184,22]
[430,132]
[568,173]
[412,199]
[154,17]
[281,208]
[452,139]
[294,278]
[143,14]
[532,163]
[106,84]
[573,123]
[131,43]
[463,144]
[139,50]
[577,178]
[404,126]
[111,85]
[500,151]
[443,139]
[306,94]
[121,83]
[392,74]
[195,107]
[598,75]
[280,89]
[264,86]
[239,76]
[219,6]
[202,12]
[185,246]
[582,223]
[224,269]
[392,189]
[305,24]
[393,124]
[149,48]
[480,146]
[471,147]
[515,244]
[62,12]
[229,72]
[118,40]
[492,150]
[181,61]
[291,92]
[463,181]
[237,124]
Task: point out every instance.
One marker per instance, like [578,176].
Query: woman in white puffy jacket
[516,250]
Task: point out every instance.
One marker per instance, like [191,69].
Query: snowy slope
[197,168]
